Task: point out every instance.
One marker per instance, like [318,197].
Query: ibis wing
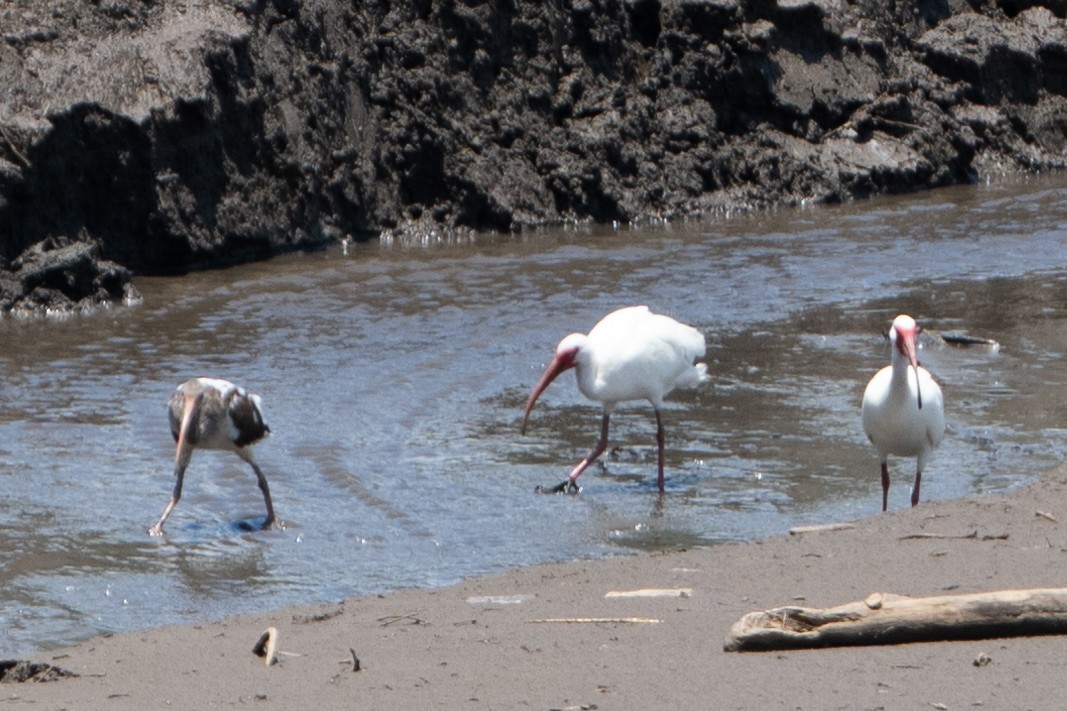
[641,355]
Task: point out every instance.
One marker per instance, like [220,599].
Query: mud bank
[176,135]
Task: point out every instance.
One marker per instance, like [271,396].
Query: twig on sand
[650,592]
[597,620]
[820,527]
[393,619]
[972,535]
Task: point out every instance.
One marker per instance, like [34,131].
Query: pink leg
[660,439]
[885,486]
[247,456]
[596,452]
[571,483]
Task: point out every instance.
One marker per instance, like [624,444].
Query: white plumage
[631,354]
[903,409]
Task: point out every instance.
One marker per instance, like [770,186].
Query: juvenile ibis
[207,413]
[903,414]
[632,354]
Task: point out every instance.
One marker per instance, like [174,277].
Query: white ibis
[632,354]
[208,413]
[903,415]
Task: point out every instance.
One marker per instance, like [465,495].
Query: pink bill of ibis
[208,413]
[632,354]
[903,410]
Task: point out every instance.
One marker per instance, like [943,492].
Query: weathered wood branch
[893,619]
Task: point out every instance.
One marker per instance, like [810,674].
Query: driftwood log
[893,619]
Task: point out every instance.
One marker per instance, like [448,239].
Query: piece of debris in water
[962,339]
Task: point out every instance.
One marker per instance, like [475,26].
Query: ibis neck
[902,371]
[905,380]
[586,374]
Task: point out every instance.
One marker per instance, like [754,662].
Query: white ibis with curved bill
[903,415]
[208,413]
[632,354]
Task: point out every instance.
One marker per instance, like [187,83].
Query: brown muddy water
[394,376]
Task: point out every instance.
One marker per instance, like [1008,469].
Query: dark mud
[18,671]
[174,135]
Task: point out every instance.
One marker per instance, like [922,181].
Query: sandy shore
[499,643]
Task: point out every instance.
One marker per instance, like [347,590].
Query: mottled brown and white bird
[208,413]
[903,415]
[632,354]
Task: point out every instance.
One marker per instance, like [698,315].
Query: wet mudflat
[393,378]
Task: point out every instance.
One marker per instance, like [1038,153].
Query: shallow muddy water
[394,377]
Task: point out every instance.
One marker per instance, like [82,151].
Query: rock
[994,59]
[17,671]
[184,135]
[51,279]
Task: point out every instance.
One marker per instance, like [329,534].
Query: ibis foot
[567,487]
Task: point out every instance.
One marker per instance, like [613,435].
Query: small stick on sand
[819,528]
[651,592]
[597,620]
[964,536]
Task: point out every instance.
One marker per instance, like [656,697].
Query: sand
[551,636]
